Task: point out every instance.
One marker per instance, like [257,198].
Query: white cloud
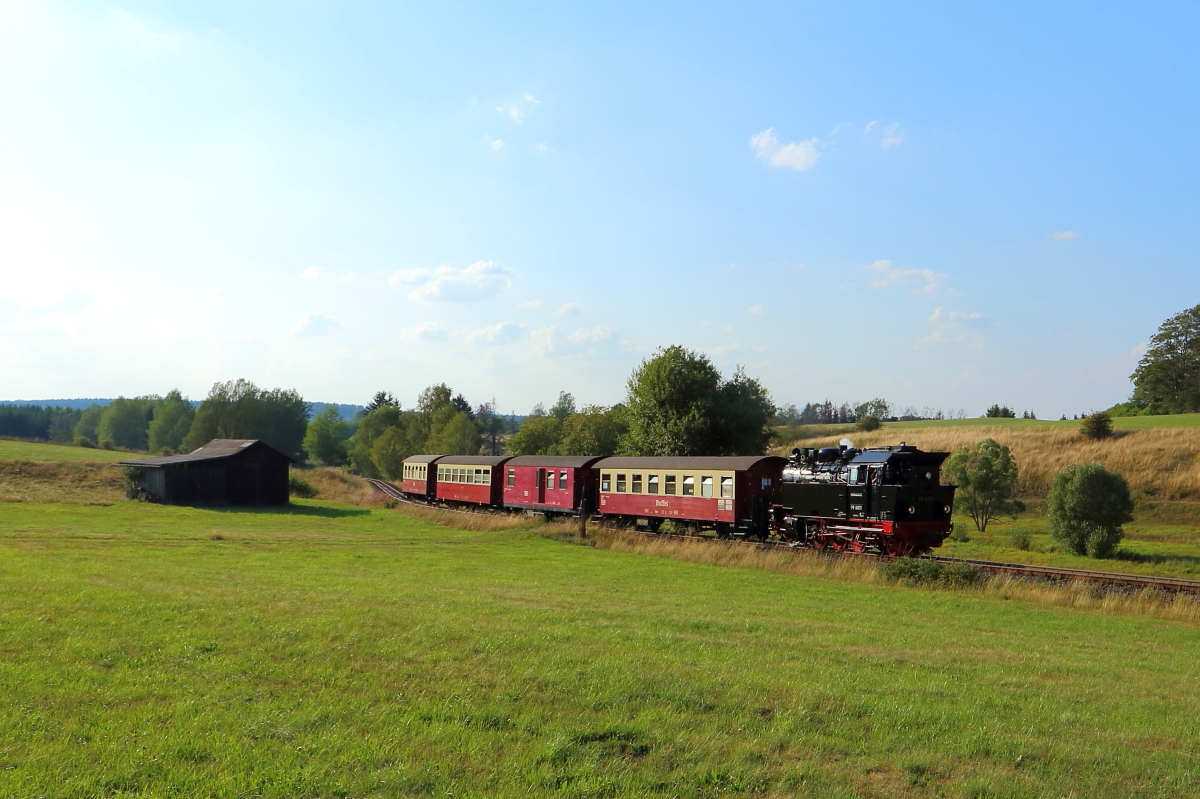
[892,135]
[347,277]
[312,273]
[870,126]
[145,40]
[532,305]
[570,309]
[953,327]
[796,155]
[316,324]
[517,111]
[892,275]
[543,147]
[495,145]
[448,284]
[756,309]
[502,333]
[424,331]
[597,333]
[1137,352]
[1063,235]
[543,339]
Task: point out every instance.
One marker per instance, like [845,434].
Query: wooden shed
[225,471]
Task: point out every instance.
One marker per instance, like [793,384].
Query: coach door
[541,486]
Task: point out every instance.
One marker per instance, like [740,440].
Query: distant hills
[346,411]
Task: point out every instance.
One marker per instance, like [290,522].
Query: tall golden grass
[1159,463]
[60,481]
[338,486]
[807,563]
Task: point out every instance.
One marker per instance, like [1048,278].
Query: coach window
[562,479]
[706,485]
[652,484]
[637,484]
[512,477]
[727,487]
[670,485]
[605,482]
[689,485]
[620,483]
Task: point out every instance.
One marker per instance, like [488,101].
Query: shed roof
[217,448]
[729,464]
[474,460]
[556,461]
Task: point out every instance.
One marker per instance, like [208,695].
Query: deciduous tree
[1167,378]
[986,475]
[1086,507]
[170,424]
[325,440]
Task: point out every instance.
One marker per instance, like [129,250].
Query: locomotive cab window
[706,485]
[652,484]
[637,484]
[606,482]
[670,485]
[620,483]
[727,487]
[689,485]
[562,479]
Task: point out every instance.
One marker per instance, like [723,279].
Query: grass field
[17,450]
[337,650]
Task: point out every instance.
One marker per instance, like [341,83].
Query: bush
[107,443]
[1021,539]
[1097,426]
[84,441]
[958,532]
[868,423]
[299,488]
[1086,507]
[917,571]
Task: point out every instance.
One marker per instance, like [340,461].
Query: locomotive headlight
[946,509]
[911,510]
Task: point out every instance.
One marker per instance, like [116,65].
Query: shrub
[917,571]
[958,532]
[84,441]
[107,443]
[1086,507]
[1097,426]
[299,488]
[868,423]
[1021,539]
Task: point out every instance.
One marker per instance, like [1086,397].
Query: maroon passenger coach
[550,483]
[419,477]
[472,479]
[733,495]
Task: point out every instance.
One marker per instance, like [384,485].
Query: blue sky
[946,205]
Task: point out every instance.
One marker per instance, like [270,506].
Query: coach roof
[555,461]
[735,463]
[473,460]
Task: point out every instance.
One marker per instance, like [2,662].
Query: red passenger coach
[549,483]
[472,479]
[418,476]
[734,495]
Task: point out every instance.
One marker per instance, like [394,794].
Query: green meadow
[339,650]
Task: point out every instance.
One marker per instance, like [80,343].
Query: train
[883,500]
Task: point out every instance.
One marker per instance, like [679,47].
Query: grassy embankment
[339,650]
[1158,455]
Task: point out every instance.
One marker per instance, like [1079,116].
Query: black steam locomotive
[884,499]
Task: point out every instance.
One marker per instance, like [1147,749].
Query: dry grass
[62,481]
[337,486]
[806,563]
[1159,463]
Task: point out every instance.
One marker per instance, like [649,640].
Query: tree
[491,426]
[1097,426]
[389,452]
[1000,412]
[170,424]
[1167,377]
[1086,507]
[462,406]
[564,407]
[592,431]
[125,422]
[868,423]
[380,399]
[370,428]
[678,404]
[240,409]
[89,419]
[458,436]
[538,436]
[325,440]
[986,475]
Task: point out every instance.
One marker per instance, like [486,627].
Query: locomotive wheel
[819,542]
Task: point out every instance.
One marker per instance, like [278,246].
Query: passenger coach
[732,495]
[550,483]
[418,479]
[470,479]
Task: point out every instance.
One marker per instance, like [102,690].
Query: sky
[947,205]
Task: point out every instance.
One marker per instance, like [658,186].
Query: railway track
[1044,573]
